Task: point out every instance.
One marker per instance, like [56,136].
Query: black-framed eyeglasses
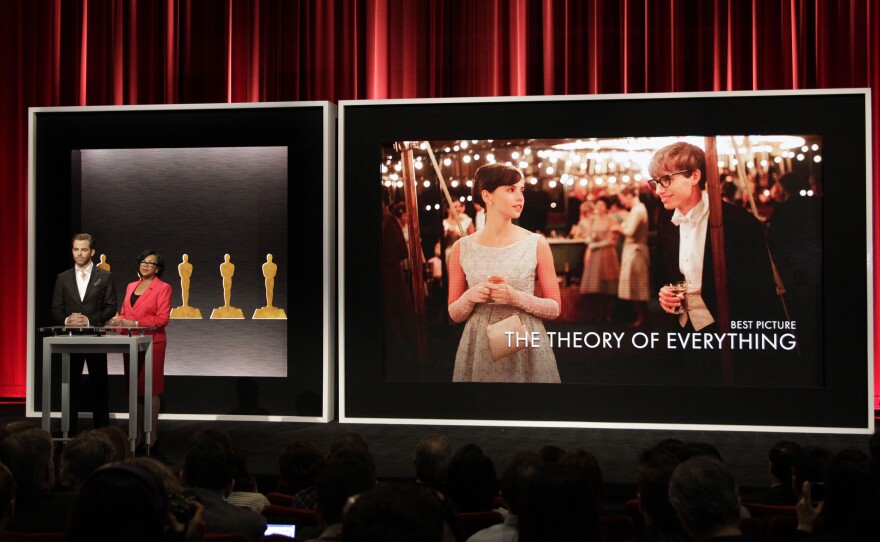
[150,264]
[665,180]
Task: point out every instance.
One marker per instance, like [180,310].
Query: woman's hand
[503,294]
[481,292]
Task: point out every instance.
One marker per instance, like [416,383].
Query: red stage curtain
[96,52]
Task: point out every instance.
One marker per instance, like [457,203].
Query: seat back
[471,522]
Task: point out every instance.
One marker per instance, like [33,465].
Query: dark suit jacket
[99,304]
[750,284]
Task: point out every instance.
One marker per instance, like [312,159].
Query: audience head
[851,505]
[29,456]
[551,453]
[557,507]
[809,464]
[7,496]
[656,466]
[471,483]
[18,425]
[348,440]
[586,469]
[698,449]
[120,501]
[208,465]
[781,458]
[704,495]
[394,513]
[348,473]
[432,456]
[518,479]
[299,465]
[119,438]
[83,455]
[244,480]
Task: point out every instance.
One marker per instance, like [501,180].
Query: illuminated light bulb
[470,198]
[583,165]
[490,157]
[514,155]
[399,184]
[447,149]
[810,193]
[427,184]
[427,207]
[815,147]
[750,164]
[720,163]
[763,163]
[800,157]
[803,192]
[466,159]
[423,145]
[447,161]
[454,184]
[533,181]
[523,164]
[464,144]
[766,193]
[436,206]
[637,176]
[384,168]
[394,176]
[817,158]
[599,181]
[469,184]
[476,157]
[734,162]
[397,166]
[584,182]
[418,165]
[804,148]
[778,159]
[388,184]
[456,148]
[527,150]
[552,204]
[552,184]
[612,179]
[461,199]
[549,170]
[568,163]
[625,178]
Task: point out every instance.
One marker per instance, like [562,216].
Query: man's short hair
[27,454]
[84,237]
[395,512]
[679,156]
[208,464]
[83,455]
[810,464]
[781,458]
[349,473]
[704,494]
[299,465]
[656,466]
[432,456]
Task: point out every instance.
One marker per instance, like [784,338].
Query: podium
[98,340]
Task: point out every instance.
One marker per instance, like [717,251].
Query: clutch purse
[501,343]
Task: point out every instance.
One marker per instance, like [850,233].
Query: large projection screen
[200,183]
[804,364]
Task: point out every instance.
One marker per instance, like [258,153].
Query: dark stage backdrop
[98,52]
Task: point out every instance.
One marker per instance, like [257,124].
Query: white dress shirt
[692,228]
[83,274]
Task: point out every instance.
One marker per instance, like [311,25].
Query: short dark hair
[810,463]
[471,483]
[432,456]
[704,494]
[159,260]
[84,455]
[208,465]
[26,454]
[299,465]
[395,513]
[781,457]
[349,473]
[656,466]
[84,237]
[488,177]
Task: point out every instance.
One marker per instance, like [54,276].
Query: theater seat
[299,516]
[472,522]
[281,499]
[616,527]
[752,527]
[769,510]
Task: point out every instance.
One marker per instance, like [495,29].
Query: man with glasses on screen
[679,181]
[85,296]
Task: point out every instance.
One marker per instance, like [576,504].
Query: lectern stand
[67,341]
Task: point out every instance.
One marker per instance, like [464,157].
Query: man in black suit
[86,296]
[686,245]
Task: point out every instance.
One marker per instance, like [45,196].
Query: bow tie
[678,220]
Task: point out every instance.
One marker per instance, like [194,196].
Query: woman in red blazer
[147,302]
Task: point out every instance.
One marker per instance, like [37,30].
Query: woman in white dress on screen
[492,274]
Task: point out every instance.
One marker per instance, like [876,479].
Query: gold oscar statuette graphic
[227,270]
[185,270]
[269,312]
[103,264]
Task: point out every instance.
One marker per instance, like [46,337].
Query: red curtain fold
[95,52]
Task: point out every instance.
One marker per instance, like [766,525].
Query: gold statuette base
[186,312]
[269,313]
[233,313]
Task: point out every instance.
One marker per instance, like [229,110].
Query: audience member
[348,473]
[123,501]
[587,470]
[517,481]
[551,453]
[244,491]
[558,508]
[208,474]
[704,495]
[696,449]
[471,483]
[18,425]
[38,508]
[299,465]
[119,438]
[430,461]
[83,455]
[780,493]
[850,506]
[656,466]
[809,465]
[347,440]
[394,513]
[7,498]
